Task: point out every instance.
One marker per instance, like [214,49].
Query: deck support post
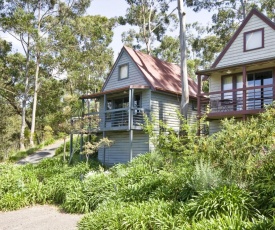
[81,146]
[71,145]
[104,111]
[103,126]
[131,135]
[244,91]
[130,122]
[82,127]
[104,150]
[199,105]
[273,89]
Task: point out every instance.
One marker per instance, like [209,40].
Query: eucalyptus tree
[11,92]
[29,22]
[183,60]
[229,14]
[168,50]
[81,50]
[152,19]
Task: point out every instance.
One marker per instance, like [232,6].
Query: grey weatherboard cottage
[138,84]
[242,79]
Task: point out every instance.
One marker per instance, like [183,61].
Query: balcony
[124,119]
[115,119]
[237,102]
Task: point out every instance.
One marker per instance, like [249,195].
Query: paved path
[46,152]
[39,217]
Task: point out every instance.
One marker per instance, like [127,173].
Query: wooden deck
[235,103]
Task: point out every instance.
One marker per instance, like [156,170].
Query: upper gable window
[123,71]
[254,39]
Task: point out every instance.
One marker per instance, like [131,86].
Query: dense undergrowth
[225,181]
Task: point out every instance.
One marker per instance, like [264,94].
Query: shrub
[153,214]
[224,200]
[204,176]
[50,181]
[238,147]
[262,185]
[76,200]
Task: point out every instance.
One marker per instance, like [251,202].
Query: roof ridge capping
[254,11]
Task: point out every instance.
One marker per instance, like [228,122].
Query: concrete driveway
[38,217]
[46,152]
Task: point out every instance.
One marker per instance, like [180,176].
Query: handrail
[236,90]
[116,110]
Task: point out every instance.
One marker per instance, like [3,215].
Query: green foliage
[168,50]
[263,184]
[50,181]
[205,177]
[154,214]
[240,146]
[224,200]
[225,181]
[151,18]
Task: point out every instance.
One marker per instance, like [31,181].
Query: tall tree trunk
[36,80]
[183,61]
[23,125]
[243,3]
[24,100]
[34,102]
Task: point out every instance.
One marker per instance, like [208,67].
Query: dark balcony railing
[120,118]
[237,100]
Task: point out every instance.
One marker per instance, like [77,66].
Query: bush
[154,214]
[225,200]
[239,146]
[50,181]
[262,184]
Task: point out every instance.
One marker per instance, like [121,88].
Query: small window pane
[227,85]
[254,40]
[123,71]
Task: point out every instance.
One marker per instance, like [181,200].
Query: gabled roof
[160,75]
[238,31]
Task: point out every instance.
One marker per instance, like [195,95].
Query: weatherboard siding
[166,107]
[214,126]
[215,83]
[236,55]
[146,99]
[119,152]
[135,75]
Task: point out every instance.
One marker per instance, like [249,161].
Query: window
[257,98]
[121,103]
[231,83]
[235,97]
[254,40]
[123,71]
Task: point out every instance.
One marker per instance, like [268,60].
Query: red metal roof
[159,74]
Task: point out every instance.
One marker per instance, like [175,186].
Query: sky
[112,8]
